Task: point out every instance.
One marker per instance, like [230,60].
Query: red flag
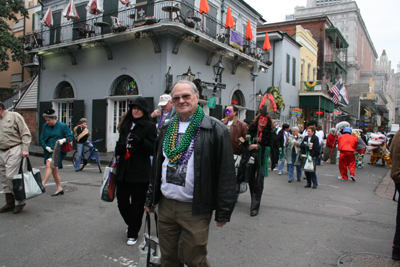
[204,8]
[249,32]
[230,23]
[267,45]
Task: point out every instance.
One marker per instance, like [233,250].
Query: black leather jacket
[214,181]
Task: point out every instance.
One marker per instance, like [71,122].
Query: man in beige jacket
[15,139]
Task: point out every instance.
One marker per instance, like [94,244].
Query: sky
[381,21]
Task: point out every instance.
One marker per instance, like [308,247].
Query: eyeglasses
[184,97]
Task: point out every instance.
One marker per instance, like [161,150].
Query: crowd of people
[186,163]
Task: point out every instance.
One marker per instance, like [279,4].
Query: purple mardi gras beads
[187,154]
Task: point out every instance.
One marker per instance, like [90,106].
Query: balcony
[320,88]
[144,21]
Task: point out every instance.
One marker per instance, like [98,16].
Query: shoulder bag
[149,249]
[27,184]
[107,190]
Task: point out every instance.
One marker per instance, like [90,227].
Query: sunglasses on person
[184,97]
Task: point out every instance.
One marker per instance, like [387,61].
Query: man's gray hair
[295,128]
[192,86]
[333,131]
[2,105]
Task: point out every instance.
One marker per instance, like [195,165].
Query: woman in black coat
[134,148]
[310,144]
[259,148]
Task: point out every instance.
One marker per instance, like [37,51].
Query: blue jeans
[281,162]
[311,176]
[79,149]
[292,166]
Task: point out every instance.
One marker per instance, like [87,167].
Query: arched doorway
[123,91]
[239,101]
[63,103]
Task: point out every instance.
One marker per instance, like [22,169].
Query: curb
[386,187]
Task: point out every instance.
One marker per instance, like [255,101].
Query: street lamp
[188,76]
[218,69]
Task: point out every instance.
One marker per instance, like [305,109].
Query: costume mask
[262,121]
[228,111]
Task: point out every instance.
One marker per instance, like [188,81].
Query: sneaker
[131,241]
[290,181]
[341,178]
[279,173]
[352,178]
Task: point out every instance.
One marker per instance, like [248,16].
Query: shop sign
[211,102]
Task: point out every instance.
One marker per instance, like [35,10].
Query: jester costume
[361,148]
[377,144]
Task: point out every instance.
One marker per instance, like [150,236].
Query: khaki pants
[183,237]
[9,166]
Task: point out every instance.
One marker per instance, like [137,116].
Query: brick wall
[30,119]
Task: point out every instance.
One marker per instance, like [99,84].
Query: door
[78,23]
[78,112]
[43,106]
[117,109]
[211,24]
[110,9]
[99,119]
[55,30]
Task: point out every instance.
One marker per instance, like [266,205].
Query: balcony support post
[70,54]
[106,48]
[154,39]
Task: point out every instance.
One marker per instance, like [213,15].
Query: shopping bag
[149,249]
[66,147]
[27,184]
[107,190]
[309,164]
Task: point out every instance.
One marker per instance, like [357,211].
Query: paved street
[296,226]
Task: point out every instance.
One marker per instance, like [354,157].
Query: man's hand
[155,113]
[62,141]
[220,224]
[24,154]
[251,147]
[149,210]
[49,149]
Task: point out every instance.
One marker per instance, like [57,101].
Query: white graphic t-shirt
[177,182]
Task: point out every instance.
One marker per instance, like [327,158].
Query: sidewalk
[386,188]
[105,158]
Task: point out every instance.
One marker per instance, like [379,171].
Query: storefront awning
[316,102]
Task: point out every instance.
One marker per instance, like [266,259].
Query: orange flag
[249,32]
[267,45]
[230,23]
[204,8]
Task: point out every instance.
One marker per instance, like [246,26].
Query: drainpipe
[222,10]
[39,77]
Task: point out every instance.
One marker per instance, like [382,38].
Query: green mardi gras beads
[173,152]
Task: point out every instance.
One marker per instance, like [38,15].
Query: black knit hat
[141,103]
[49,113]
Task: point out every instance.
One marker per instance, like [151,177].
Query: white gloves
[62,141]
[49,149]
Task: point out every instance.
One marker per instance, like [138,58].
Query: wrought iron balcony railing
[135,18]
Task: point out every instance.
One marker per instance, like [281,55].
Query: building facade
[346,17]
[315,3]
[93,67]
[283,73]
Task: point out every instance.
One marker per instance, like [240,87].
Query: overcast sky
[380,17]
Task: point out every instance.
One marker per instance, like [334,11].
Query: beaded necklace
[180,153]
